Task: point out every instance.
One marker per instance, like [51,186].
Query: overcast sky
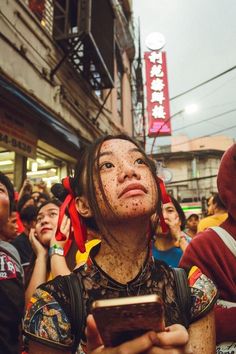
[200,44]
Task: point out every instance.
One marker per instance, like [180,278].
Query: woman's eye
[53,214]
[140,161]
[106,165]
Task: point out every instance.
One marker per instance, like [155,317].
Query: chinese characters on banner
[158,109]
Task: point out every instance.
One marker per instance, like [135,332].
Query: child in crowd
[192,224]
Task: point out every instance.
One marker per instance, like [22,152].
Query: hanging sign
[158,109]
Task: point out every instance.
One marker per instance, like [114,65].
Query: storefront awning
[43,115]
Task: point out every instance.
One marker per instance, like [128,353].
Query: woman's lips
[45,229]
[133,189]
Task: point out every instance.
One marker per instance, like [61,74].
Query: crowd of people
[113,226]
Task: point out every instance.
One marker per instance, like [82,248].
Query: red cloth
[213,257]
[19,224]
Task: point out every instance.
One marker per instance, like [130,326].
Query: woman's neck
[123,252]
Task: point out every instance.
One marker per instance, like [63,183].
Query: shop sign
[16,135]
[158,109]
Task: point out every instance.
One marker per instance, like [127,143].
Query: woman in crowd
[116,191]
[48,260]
[169,246]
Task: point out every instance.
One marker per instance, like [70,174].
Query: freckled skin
[120,166]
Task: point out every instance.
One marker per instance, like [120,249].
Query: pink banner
[158,108]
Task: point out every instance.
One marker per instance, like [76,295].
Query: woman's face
[170,216]
[127,181]
[4,204]
[46,223]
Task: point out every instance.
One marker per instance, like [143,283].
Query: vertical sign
[158,108]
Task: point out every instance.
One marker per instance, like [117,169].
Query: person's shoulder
[10,250]
[49,314]
[205,222]
[204,293]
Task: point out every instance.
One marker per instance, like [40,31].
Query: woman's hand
[174,224]
[65,229]
[173,341]
[38,248]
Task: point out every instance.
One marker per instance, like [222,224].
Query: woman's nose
[44,220]
[129,172]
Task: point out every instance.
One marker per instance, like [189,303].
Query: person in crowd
[115,191]
[213,256]
[192,224]
[169,246]
[10,229]
[219,214]
[27,188]
[11,278]
[22,242]
[39,198]
[46,262]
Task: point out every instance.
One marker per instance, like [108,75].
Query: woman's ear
[83,207]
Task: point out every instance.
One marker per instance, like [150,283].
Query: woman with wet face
[116,191]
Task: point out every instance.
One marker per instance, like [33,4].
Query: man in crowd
[219,214]
[11,278]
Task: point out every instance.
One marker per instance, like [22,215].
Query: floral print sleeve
[45,320]
[203,293]
[50,318]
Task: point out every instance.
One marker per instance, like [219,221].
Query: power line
[203,83]
[204,136]
[205,120]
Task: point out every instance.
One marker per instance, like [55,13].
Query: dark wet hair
[179,211]
[10,189]
[216,200]
[88,167]
[29,213]
[21,202]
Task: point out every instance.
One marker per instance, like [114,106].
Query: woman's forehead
[48,207]
[3,186]
[168,205]
[118,146]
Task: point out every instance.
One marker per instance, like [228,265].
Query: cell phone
[123,319]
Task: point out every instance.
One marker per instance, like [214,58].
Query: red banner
[158,108]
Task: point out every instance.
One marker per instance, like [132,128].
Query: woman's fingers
[93,338]
[65,226]
[176,335]
[135,346]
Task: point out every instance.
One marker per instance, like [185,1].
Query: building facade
[65,79]
[190,168]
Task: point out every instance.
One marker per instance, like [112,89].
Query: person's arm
[37,348]
[39,274]
[27,187]
[58,262]
[177,234]
[202,335]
